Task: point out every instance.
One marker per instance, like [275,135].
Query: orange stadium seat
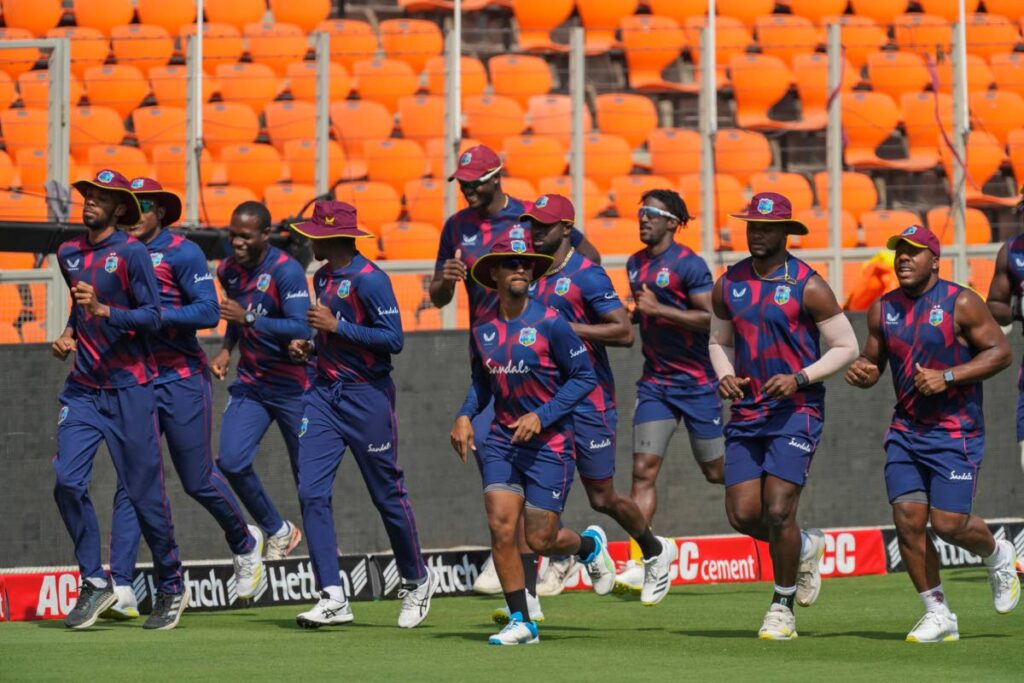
[493,118]
[1015,144]
[378,202]
[810,75]
[880,11]
[254,166]
[24,128]
[254,85]
[534,156]
[8,94]
[868,120]
[289,120]
[130,161]
[395,162]
[861,36]
[979,76]
[747,11]
[34,89]
[421,117]
[8,176]
[614,236]
[103,15]
[1008,71]
[858,193]
[412,292]
[169,164]
[985,154]
[895,73]
[882,224]
[1011,9]
[238,13]
[301,157]
[817,10]
[759,82]
[519,187]
[120,86]
[94,126]
[792,185]
[141,45]
[982,270]
[651,44]
[16,260]
[997,112]
[218,203]
[536,19]
[409,240]
[15,206]
[680,10]
[306,14]
[351,40]
[355,122]
[989,35]
[302,81]
[228,123]
[923,33]
[277,45]
[600,18]
[385,81]
[424,200]
[169,85]
[948,9]
[158,125]
[520,77]
[818,236]
[594,200]
[551,115]
[627,190]
[606,156]
[16,61]
[222,44]
[786,36]
[435,149]
[413,41]
[741,153]
[32,169]
[923,130]
[976,227]
[171,15]
[674,151]
[35,16]
[731,37]
[729,195]
[627,115]
[286,199]
[473,76]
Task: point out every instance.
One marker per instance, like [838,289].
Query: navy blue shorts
[595,443]
[782,447]
[534,470]
[945,468]
[701,411]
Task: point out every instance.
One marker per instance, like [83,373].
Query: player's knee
[601,497]
[714,471]
[230,465]
[542,541]
[68,487]
[948,525]
[777,514]
[742,519]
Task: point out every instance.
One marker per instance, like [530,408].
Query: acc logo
[105,176]
[303,426]
[516,233]
[110,265]
[765,205]
[542,202]
[466,158]
[519,246]
[157,258]
[936,316]
[662,279]
[781,295]
[263,282]
[62,415]
[527,336]
[344,288]
[137,183]
[562,286]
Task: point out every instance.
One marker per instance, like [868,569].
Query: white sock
[934,600]
[805,545]
[785,590]
[335,593]
[284,530]
[97,582]
[996,558]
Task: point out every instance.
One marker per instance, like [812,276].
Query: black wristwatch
[249,318]
[801,379]
[948,376]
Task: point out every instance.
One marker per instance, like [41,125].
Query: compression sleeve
[721,346]
[842,342]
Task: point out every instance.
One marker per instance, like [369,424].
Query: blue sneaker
[600,566]
[516,632]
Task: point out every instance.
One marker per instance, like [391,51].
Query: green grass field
[855,631]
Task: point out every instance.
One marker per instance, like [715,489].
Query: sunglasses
[147,205]
[653,212]
[473,184]
[515,263]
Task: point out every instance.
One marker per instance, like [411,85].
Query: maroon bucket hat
[147,188]
[771,207]
[505,248]
[331,219]
[113,181]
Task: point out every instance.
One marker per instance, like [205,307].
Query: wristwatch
[948,376]
[249,318]
[801,379]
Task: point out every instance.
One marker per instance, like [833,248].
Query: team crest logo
[516,233]
[662,279]
[105,176]
[303,426]
[519,246]
[542,202]
[62,415]
[562,286]
[527,336]
[344,288]
[263,282]
[782,295]
[110,265]
[936,317]
[765,205]
[157,258]
[137,183]
[466,158]
[910,231]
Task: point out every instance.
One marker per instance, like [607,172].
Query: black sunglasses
[147,205]
[473,184]
[514,263]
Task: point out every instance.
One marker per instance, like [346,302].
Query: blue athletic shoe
[516,632]
[600,566]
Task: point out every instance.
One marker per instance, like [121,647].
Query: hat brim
[170,201]
[470,175]
[796,227]
[545,218]
[316,231]
[895,240]
[481,271]
[134,210]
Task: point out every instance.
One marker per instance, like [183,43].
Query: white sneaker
[631,580]
[126,607]
[500,616]
[808,574]
[779,624]
[278,547]
[935,627]
[416,602]
[327,612]
[656,579]
[487,582]
[516,632]
[249,567]
[553,582]
[1004,581]
[601,569]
